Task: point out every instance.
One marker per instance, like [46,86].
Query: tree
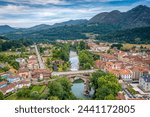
[95,76]
[1,79]
[24,92]
[106,85]
[118,46]
[55,89]
[1,96]
[53,98]
[60,89]
[5,69]
[87,66]
[82,45]
[15,65]
[34,95]
[84,58]
[110,97]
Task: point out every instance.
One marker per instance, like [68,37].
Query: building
[12,79]
[24,73]
[120,96]
[20,60]
[126,74]
[32,63]
[3,84]
[144,82]
[23,83]
[137,72]
[9,88]
[40,74]
[108,57]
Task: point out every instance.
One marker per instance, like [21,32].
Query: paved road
[72,72]
[128,93]
[41,64]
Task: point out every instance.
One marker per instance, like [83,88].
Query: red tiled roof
[10,86]
[120,96]
[125,72]
[3,82]
[24,82]
[23,70]
[109,56]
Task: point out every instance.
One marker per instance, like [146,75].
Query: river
[74,60]
[78,85]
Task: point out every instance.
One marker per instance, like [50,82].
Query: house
[137,72]
[120,96]
[113,71]
[100,64]
[40,74]
[144,82]
[12,79]
[98,47]
[23,83]
[108,57]
[32,62]
[120,55]
[3,84]
[20,60]
[114,65]
[26,83]
[126,74]
[9,88]
[24,73]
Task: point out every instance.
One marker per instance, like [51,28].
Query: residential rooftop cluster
[28,73]
[130,67]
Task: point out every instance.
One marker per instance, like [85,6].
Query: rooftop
[146,78]
[3,82]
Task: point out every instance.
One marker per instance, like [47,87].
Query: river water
[74,60]
[78,86]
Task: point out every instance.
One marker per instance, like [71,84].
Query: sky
[28,13]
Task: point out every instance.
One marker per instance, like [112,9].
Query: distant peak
[5,25]
[142,7]
[115,11]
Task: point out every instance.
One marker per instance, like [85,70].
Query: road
[41,64]
[72,72]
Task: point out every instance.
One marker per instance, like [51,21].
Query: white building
[144,82]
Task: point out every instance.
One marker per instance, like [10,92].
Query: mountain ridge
[136,17]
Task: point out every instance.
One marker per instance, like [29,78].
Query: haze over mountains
[104,23]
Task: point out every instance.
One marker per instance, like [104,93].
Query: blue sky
[27,13]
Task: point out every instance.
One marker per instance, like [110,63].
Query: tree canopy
[106,86]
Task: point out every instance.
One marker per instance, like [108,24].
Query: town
[41,64]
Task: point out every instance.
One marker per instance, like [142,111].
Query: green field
[39,89]
[14,97]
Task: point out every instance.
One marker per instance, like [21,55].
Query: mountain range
[136,17]
[103,24]
[7,29]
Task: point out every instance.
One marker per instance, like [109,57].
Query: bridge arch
[72,78]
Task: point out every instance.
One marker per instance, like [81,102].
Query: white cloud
[27,16]
[37,1]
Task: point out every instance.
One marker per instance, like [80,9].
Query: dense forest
[11,44]
[64,32]
[106,33]
[136,36]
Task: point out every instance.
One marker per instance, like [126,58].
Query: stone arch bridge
[75,75]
